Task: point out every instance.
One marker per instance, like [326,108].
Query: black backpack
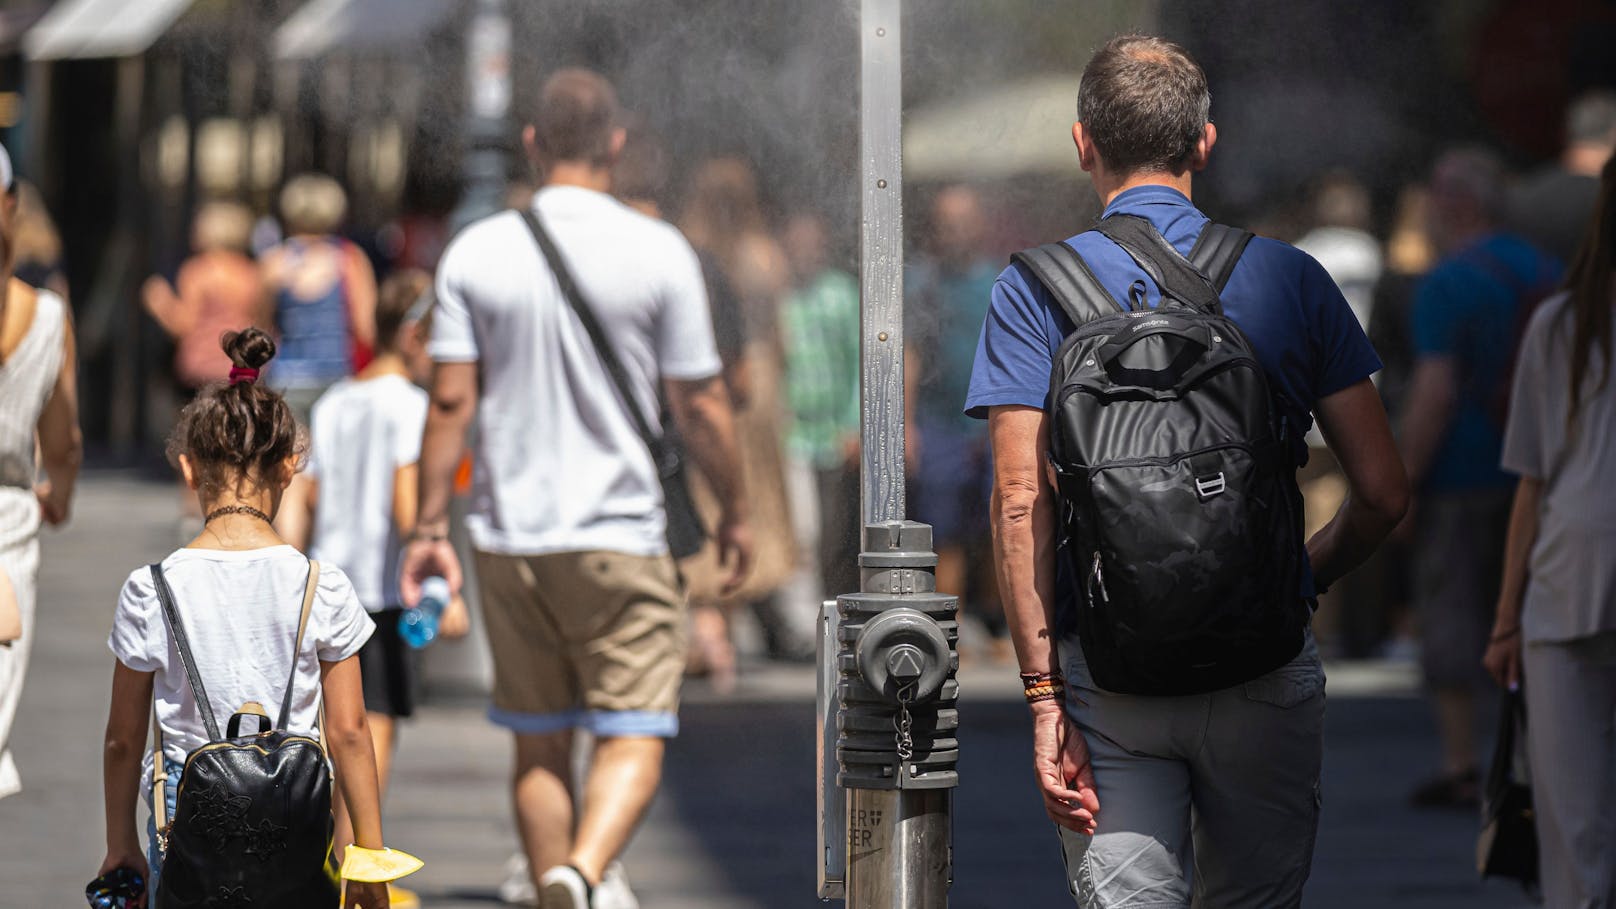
[252,819]
[1180,517]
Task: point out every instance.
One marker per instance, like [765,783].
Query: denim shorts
[154,856]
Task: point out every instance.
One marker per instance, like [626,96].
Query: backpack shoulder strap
[309,588]
[1068,279]
[176,627]
[1173,273]
[1217,250]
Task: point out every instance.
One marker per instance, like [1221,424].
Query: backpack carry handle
[1195,340]
[232,729]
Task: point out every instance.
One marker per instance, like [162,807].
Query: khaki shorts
[592,640]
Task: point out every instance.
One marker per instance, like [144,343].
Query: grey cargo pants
[1208,800]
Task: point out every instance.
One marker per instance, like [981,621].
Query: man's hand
[365,895]
[1060,761]
[424,559]
[735,548]
[455,622]
[51,511]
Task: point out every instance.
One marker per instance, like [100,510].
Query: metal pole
[881,268]
[898,828]
[488,104]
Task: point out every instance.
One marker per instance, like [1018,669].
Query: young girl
[236,587]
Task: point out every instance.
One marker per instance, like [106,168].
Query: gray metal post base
[898,850]
[896,723]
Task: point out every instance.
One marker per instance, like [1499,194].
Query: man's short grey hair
[1144,103]
[1591,118]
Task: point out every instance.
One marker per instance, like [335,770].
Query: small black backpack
[1180,517]
[252,819]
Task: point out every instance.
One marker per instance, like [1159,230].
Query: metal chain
[903,723]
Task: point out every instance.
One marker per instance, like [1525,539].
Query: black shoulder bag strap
[1173,273]
[176,627]
[597,335]
[1217,250]
[685,530]
[1067,277]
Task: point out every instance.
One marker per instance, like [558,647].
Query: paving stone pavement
[733,827]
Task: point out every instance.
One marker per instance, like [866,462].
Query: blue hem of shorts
[652,723]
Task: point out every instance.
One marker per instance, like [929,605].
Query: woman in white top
[1556,623]
[38,412]
[237,587]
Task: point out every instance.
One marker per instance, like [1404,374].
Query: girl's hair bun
[249,348]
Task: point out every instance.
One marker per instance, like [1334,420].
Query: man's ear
[1087,156]
[615,148]
[1203,148]
[188,472]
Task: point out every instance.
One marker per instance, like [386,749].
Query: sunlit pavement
[734,825]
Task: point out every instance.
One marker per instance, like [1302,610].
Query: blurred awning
[82,29]
[323,26]
[1008,130]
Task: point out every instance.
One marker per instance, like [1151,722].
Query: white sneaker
[517,889]
[613,891]
[562,887]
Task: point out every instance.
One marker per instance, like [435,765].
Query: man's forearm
[708,427]
[441,447]
[1348,540]
[1024,553]
[1427,412]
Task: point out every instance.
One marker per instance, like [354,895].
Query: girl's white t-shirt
[240,610]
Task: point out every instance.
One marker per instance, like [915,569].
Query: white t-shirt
[558,464]
[363,432]
[240,610]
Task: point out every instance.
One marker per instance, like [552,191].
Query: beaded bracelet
[1042,686]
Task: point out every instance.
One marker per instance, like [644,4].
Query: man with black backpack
[1148,384]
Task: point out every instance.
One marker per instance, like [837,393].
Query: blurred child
[236,588]
[362,472]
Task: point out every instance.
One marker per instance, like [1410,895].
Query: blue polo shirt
[1469,308]
[1304,333]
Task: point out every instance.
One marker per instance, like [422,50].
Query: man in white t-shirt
[583,604]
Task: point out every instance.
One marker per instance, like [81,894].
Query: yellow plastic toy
[375,866]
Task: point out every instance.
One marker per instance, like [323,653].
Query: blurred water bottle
[418,626]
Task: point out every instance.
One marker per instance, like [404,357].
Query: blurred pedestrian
[364,450]
[321,291]
[1555,627]
[39,429]
[1339,239]
[38,243]
[220,290]
[639,179]
[1552,205]
[1464,327]
[820,328]
[1152,790]
[234,588]
[948,288]
[582,601]
[723,218]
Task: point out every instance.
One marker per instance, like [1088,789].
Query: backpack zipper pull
[1098,577]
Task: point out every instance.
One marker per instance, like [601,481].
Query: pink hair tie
[243,374]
